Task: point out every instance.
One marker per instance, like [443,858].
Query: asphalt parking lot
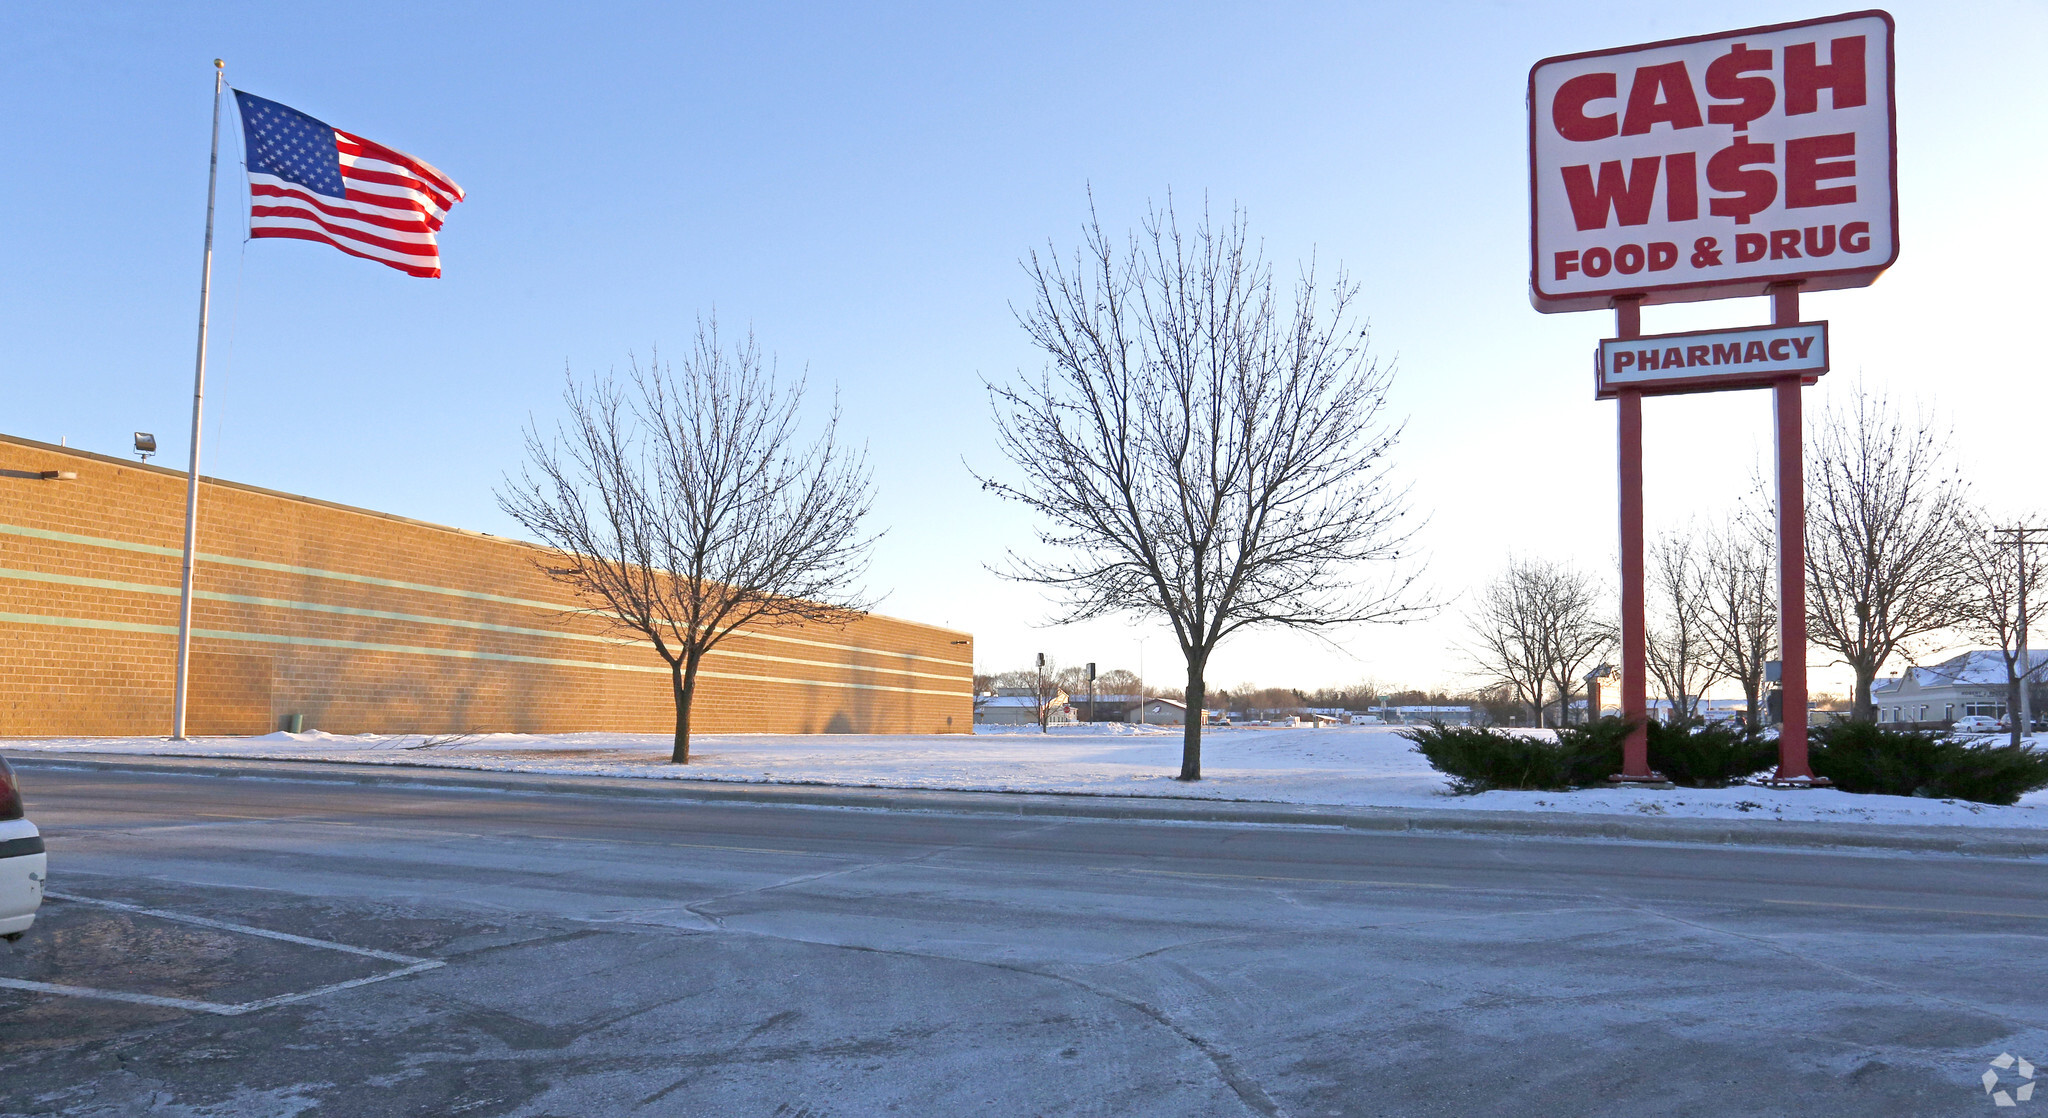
[253,947]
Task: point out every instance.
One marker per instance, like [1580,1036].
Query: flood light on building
[145,445]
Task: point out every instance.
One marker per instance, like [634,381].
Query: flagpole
[198,404]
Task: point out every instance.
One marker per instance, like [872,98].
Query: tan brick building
[364,622]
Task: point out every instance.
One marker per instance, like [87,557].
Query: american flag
[317,183]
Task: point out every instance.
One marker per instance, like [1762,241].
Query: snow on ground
[1345,766]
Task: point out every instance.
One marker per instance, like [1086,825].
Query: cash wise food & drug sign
[1759,162]
[1714,166]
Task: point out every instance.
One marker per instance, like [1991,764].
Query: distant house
[1020,710]
[1970,684]
[1161,712]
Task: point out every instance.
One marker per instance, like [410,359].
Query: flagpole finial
[219,65]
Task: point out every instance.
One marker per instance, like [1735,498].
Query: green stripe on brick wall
[420,619]
[424,588]
[418,650]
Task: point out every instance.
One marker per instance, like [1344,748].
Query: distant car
[22,862]
[1976,724]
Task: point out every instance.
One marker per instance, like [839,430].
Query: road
[478,953]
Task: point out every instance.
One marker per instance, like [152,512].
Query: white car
[1976,724]
[22,862]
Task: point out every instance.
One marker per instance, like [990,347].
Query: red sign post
[1758,162]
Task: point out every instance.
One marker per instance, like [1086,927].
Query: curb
[1994,842]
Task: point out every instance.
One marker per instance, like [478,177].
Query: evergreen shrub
[1481,758]
[1698,754]
[1866,757]
[1594,749]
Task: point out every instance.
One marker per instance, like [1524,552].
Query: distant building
[1970,684]
[313,615]
[1107,707]
[1161,712]
[1021,710]
[1462,714]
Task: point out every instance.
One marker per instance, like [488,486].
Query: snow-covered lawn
[1346,766]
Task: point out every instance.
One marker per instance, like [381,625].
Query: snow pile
[1351,766]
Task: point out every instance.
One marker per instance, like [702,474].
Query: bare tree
[684,506]
[1511,645]
[1270,701]
[1118,681]
[1739,607]
[1536,629]
[1581,632]
[1201,448]
[1075,682]
[1022,679]
[1679,648]
[1047,691]
[1993,610]
[1886,535]
[1042,684]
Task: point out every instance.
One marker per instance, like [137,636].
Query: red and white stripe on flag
[361,197]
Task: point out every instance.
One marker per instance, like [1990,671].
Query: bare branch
[1201,449]
[1739,609]
[2002,583]
[685,506]
[1536,630]
[1887,530]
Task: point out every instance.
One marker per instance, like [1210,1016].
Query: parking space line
[287,999]
[243,929]
[218,1009]
[414,965]
[119,996]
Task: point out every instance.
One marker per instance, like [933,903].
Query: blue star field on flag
[285,142]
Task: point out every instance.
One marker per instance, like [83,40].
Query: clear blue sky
[858,184]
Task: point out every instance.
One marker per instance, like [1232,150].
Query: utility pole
[2019,539]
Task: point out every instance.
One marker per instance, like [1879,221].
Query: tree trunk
[1863,709]
[1753,704]
[1191,734]
[684,676]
